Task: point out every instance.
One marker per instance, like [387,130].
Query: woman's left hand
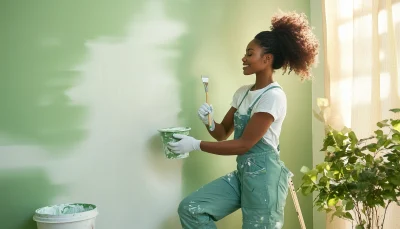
[185,145]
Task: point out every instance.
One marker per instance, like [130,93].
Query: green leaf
[382,123]
[321,167]
[349,205]
[349,168]
[379,132]
[362,186]
[369,159]
[339,138]
[313,177]
[392,157]
[359,227]
[332,202]
[328,141]
[306,191]
[327,167]
[331,149]
[352,160]
[396,138]
[359,167]
[387,186]
[372,147]
[353,137]
[323,181]
[395,147]
[387,143]
[389,195]
[304,169]
[347,215]
[394,180]
[381,142]
[358,152]
[396,124]
[395,110]
[306,180]
[330,174]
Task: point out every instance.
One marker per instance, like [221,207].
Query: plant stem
[365,139]
[358,212]
[372,217]
[369,216]
[384,214]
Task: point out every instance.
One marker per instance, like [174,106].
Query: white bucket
[66,216]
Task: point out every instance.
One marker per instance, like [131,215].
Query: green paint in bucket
[167,136]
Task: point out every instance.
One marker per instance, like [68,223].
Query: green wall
[318,91]
[86,84]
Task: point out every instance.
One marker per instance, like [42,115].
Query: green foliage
[357,176]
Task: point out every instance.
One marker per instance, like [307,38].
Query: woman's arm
[254,131]
[224,130]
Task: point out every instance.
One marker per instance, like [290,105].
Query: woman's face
[255,60]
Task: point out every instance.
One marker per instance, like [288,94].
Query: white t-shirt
[272,102]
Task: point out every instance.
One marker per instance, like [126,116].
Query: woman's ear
[268,58]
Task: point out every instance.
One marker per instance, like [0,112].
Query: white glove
[203,113]
[185,145]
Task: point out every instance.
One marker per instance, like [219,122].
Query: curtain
[362,66]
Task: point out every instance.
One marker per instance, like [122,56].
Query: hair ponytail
[291,42]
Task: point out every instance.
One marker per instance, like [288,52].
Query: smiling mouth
[245,66]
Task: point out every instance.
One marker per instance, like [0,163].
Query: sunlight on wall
[346,96]
[346,9]
[357,73]
[382,22]
[346,39]
[395,10]
[384,85]
[357,4]
[396,22]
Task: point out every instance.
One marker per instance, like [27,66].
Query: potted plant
[359,178]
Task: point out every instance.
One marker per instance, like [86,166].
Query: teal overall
[259,186]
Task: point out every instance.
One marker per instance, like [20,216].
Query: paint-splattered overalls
[259,187]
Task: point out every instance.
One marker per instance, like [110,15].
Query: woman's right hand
[203,112]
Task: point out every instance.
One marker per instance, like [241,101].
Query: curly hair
[291,42]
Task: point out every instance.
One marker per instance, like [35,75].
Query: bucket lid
[65,213]
[175,129]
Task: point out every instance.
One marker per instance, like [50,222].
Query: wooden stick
[209,117]
[296,204]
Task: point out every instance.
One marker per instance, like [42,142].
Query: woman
[259,186]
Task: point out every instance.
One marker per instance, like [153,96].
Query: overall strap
[259,97]
[244,98]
